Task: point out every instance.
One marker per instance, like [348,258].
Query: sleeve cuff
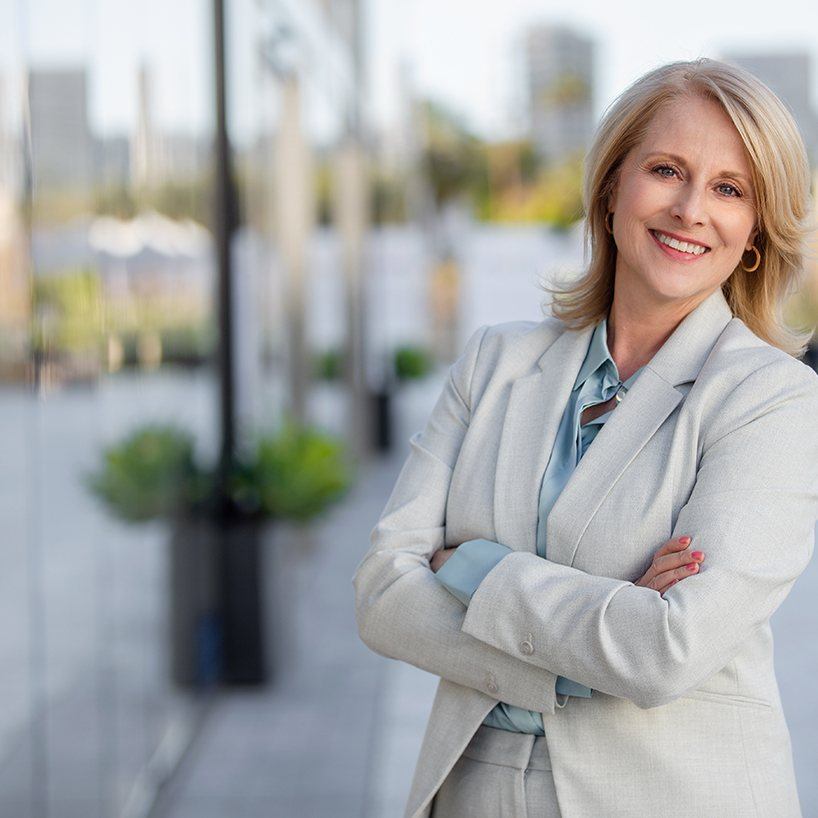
[571,688]
[463,572]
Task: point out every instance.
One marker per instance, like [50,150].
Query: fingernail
[684,540]
[692,566]
[697,555]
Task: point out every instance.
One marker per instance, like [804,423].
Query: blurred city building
[560,86]
[60,134]
[788,74]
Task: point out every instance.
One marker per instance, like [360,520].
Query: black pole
[224,223]
[239,544]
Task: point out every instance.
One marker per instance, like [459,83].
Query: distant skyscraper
[559,68]
[788,74]
[60,136]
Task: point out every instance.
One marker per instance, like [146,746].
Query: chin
[672,289]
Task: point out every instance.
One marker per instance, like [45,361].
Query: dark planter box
[381,400]
[242,594]
[216,602]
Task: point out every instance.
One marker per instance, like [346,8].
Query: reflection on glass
[106,321]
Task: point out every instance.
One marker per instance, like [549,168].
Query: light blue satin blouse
[597,382]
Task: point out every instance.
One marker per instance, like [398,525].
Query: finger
[674,545]
[666,577]
[668,587]
[678,543]
[660,559]
[677,560]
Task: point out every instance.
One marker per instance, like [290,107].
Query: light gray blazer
[718,439]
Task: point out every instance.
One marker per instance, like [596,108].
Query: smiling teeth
[683,246]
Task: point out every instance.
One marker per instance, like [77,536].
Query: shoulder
[500,353]
[516,344]
[740,355]
[745,377]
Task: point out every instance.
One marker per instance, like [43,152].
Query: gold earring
[757,262]
[608,227]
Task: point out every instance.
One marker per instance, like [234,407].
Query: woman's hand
[673,562]
[440,556]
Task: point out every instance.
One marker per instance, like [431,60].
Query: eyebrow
[676,158]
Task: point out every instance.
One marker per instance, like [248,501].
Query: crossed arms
[752,510]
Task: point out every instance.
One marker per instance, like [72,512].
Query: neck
[638,328]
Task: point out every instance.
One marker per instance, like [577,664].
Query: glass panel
[106,323]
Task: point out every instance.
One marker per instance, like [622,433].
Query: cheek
[739,233]
[640,201]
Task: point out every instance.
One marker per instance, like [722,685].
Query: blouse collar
[599,355]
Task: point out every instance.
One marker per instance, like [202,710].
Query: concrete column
[294,218]
[351,219]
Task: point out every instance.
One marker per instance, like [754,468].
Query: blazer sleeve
[401,609]
[462,574]
[752,511]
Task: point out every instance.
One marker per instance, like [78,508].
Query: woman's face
[689,179]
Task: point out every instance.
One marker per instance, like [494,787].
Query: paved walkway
[338,732]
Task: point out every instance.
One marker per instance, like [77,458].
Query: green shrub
[294,473]
[327,364]
[152,473]
[412,362]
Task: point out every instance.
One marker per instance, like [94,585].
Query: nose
[689,206]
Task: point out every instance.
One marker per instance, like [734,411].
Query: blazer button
[526,647]
[491,684]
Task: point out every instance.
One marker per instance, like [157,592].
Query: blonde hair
[781,177]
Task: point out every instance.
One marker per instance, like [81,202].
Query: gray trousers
[499,775]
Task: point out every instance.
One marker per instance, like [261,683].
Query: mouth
[676,249]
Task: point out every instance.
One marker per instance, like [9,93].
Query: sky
[460,52]
[467,57]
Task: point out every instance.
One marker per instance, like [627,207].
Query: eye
[736,192]
[659,168]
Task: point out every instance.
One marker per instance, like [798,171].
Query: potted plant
[216,594]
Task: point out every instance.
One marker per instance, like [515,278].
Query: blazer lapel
[533,414]
[532,417]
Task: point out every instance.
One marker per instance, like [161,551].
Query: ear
[610,202]
[751,240]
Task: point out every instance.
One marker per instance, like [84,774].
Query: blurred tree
[67,309]
[115,200]
[190,198]
[452,158]
[500,181]
[566,90]
[388,197]
[553,196]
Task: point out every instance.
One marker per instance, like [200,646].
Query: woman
[585,671]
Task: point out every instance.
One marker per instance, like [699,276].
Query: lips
[678,238]
[677,255]
[683,238]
